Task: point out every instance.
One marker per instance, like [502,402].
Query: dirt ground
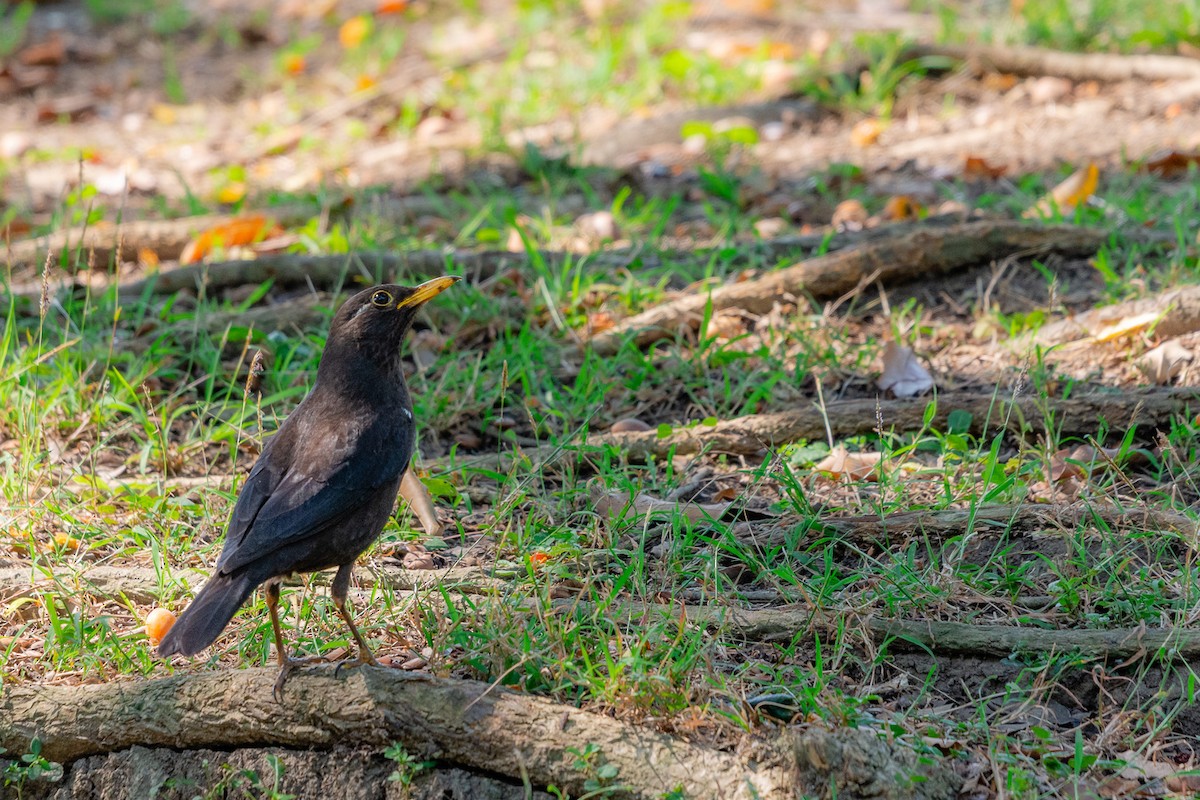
[103,92]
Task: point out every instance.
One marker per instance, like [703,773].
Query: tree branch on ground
[939,637]
[1107,67]
[755,434]
[916,253]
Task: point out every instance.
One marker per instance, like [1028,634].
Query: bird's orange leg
[338,591]
[286,665]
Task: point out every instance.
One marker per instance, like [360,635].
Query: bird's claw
[364,659]
[286,667]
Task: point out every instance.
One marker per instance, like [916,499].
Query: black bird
[326,482]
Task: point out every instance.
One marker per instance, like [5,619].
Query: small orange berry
[158,622]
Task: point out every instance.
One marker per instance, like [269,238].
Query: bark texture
[462,724]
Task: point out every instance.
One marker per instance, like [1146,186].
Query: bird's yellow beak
[428,290]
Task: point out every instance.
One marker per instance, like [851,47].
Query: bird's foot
[289,665]
[364,658]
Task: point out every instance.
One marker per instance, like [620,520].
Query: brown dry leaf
[599,321]
[724,325]
[72,107]
[420,503]
[976,168]
[849,215]
[901,207]
[1079,462]
[999,81]
[903,374]
[243,231]
[866,132]
[1126,326]
[1075,190]
[1162,364]
[1170,163]
[148,259]
[1188,785]
[49,53]
[840,463]
[1138,766]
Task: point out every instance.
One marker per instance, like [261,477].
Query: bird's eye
[381,299]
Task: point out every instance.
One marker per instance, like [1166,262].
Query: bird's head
[384,313]
[372,325]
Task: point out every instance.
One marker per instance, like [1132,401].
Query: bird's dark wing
[298,490]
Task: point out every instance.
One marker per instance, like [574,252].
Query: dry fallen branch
[455,722]
[329,272]
[100,242]
[756,433]
[915,253]
[1108,67]
[145,586]
[959,638]
[1014,518]
[1177,313]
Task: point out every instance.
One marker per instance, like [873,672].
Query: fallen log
[912,254]
[1107,67]
[955,638]
[755,434]
[458,723]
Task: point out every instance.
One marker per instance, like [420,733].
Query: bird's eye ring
[381,299]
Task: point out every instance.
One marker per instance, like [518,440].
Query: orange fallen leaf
[866,132]
[245,230]
[999,81]
[976,168]
[231,192]
[1072,192]
[901,207]
[294,64]
[353,31]
[599,321]
[363,82]
[148,258]
[849,215]
[66,541]
[385,7]
[538,558]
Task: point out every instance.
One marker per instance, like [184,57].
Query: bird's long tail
[202,622]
